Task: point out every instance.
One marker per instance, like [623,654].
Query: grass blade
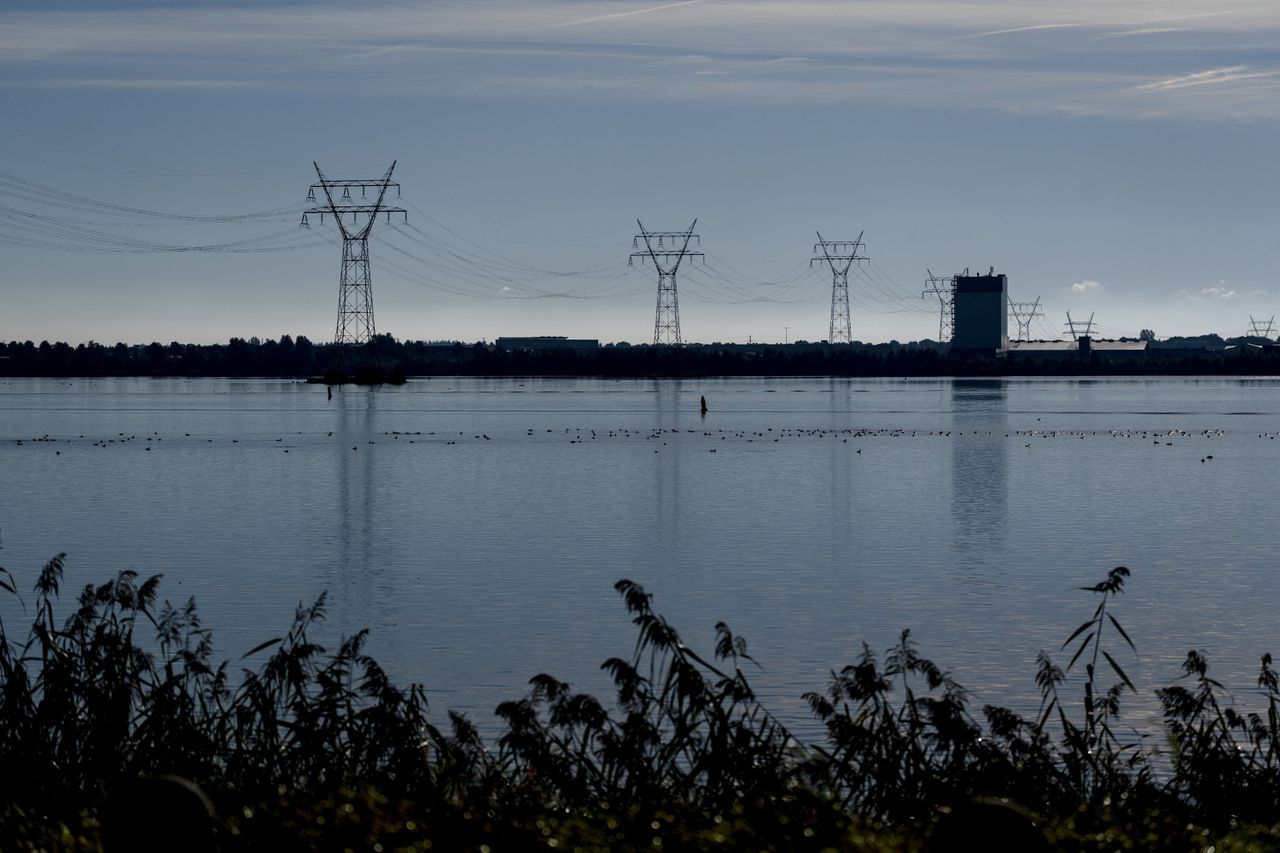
[253,651]
[1084,645]
[1120,672]
[1077,632]
[1115,622]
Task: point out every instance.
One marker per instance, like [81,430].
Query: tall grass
[309,745]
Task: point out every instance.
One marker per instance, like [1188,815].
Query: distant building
[1181,347]
[1084,347]
[981,313]
[547,342]
[1181,350]
[1250,348]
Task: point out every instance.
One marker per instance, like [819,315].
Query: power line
[537,240]
[720,294]
[1045,329]
[473,268]
[888,301]
[477,286]
[891,287]
[23,189]
[153,171]
[55,234]
[484,254]
[53,230]
[741,293]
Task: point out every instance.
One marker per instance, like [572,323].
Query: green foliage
[317,749]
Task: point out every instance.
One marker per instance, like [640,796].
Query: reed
[298,745]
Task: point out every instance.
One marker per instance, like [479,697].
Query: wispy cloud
[1210,76]
[904,52]
[1218,291]
[1087,286]
[631,13]
[1143,31]
[388,50]
[1031,28]
[133,83]
[729,67]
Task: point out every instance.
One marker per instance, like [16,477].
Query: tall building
[981,313]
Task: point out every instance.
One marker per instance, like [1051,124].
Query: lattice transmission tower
[839,256]
[944,289]
[667,249]
[1079,328]
[1259,329]
[354,219]
[1023,314]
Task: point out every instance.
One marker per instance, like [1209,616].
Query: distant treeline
[300,357]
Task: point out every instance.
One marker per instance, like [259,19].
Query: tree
[1146,335]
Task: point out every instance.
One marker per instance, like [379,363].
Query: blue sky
[1116,158]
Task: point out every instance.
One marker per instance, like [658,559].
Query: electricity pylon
[839,255]
[1259,329]
[945,290]
[1075,326]
[355,294]
[672,248]
[1023,314]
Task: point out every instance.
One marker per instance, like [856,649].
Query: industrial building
[1083,347]
[981,318]
[547,342]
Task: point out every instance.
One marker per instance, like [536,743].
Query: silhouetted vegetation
[386,359]
[114,711]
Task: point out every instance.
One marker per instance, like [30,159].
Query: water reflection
[979,469]
[669,419]
[841,468]
[479,564]
[355,425]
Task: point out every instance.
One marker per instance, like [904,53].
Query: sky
[1115,159]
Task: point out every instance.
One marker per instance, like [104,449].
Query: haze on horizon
[1109,157]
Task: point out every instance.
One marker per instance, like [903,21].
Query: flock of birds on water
[665,436]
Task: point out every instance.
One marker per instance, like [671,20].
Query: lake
[477,526]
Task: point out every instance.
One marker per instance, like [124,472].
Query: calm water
[477,526]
